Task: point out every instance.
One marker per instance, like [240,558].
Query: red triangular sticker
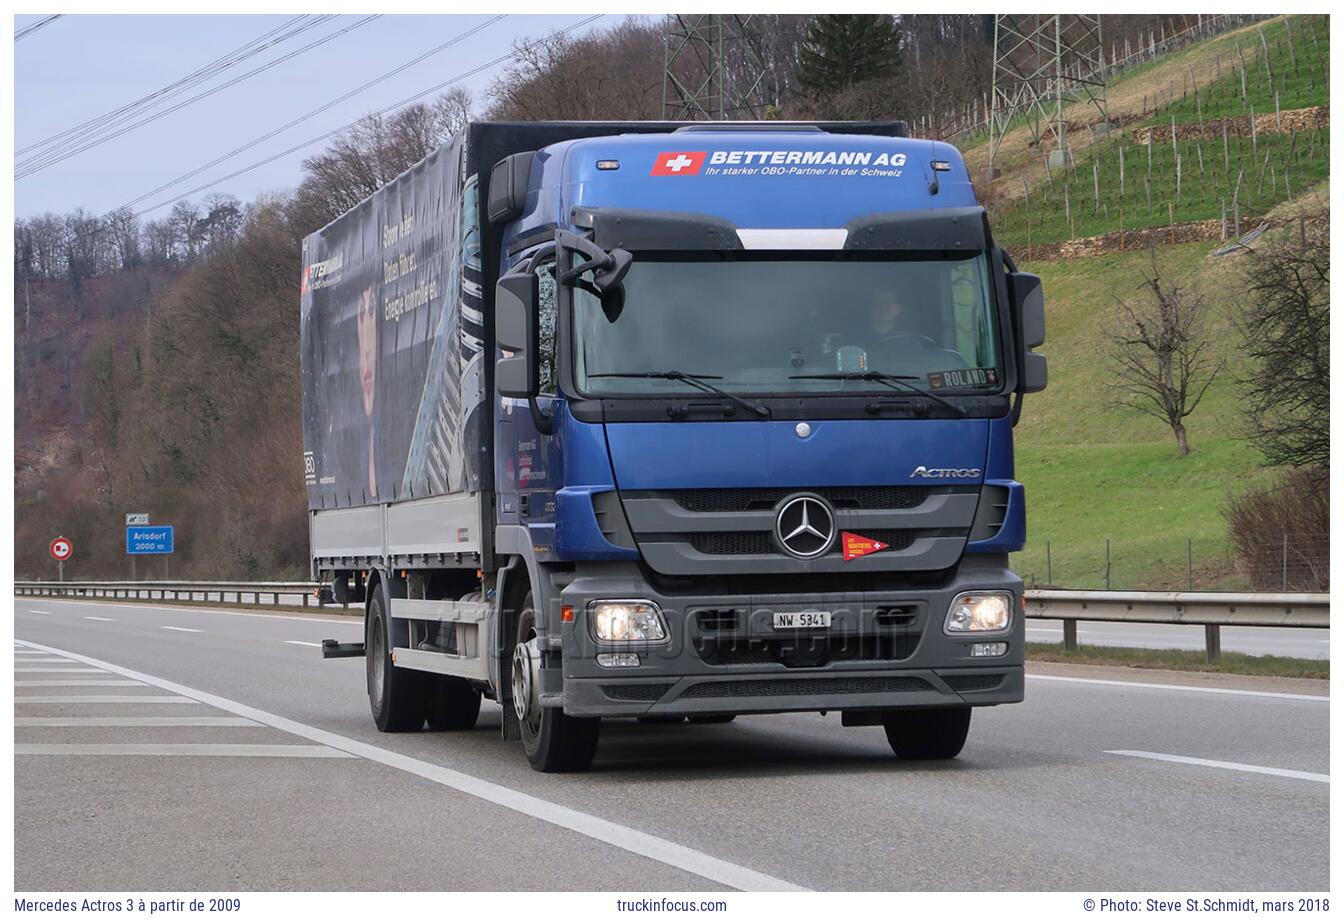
[856,545]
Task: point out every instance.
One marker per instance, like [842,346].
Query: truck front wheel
[553,741]
[397,697]
[927,734]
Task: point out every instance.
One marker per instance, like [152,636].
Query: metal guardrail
[194,591]
[1210,609]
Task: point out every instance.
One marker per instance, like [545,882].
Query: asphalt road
[166,748]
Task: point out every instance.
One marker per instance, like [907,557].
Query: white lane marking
[46,670]
[25,651]
[78,683]
[297,642]
[1308,697]
[355,619]
[45,613]
[104,699]
[1227,765]
[184,750]
[46,659]
[130,721]
[102,619]
[180,629]
[634,841]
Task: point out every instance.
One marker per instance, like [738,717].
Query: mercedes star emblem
[805,526]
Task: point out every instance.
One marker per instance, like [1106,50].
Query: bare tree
[1285,327]
[452,110]
[1158,355]
[617,74]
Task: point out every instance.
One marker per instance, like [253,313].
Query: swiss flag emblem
[678,163]
[855,545]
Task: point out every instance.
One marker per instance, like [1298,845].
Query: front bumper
[884,650]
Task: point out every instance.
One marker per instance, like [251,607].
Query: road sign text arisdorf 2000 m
[149,541]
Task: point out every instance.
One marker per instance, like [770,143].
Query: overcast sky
[82,66]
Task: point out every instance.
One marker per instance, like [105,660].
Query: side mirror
[1029,299]
[516,298]
[507,194]
[1028,307]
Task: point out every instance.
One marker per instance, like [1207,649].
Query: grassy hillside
[1094,473]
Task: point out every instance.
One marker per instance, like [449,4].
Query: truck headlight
[979,611]
[627,621]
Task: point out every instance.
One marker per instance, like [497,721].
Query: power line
[46,161]
[317,111]
[204,72]
[29,30]
[321,137]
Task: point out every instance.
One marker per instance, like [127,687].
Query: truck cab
[753,410]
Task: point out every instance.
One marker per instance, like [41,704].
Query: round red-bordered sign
[61,549]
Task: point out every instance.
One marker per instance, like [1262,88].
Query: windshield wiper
[698,381]
[895,381]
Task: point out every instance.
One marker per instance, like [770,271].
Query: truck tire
[553,742]
[397,697]
[454,704]
[927,734]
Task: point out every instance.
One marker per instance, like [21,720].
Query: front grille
[733,543]
[805,651]
[761,543]
[845,497]
[635,693]
[966,683]
[801,686]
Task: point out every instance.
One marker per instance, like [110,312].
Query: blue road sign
[149,541]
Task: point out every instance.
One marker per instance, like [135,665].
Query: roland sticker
[964,377]
[855,545]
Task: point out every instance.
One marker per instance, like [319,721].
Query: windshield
[766,323]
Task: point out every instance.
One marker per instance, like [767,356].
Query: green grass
[1093,472]
[1181,660]
[1096,205]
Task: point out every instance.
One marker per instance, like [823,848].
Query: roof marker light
[608,164]
[942,166]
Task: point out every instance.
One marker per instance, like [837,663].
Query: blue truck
[672,422]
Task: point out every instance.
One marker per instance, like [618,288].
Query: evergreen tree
[841,50]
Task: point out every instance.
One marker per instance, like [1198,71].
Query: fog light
[618,660]
[627,621]
[978,611]
[984,649]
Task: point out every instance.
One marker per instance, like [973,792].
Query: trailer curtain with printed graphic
[391,342]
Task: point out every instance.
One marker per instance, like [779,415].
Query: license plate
[803,619]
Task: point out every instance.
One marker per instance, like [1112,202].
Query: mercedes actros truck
[672,421]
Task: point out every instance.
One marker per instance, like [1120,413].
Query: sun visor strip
[955,229]
[635,229]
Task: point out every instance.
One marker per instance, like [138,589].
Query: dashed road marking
[46,670]
[131,721]
[105,699]
[297,642]
[185,750]
[1226,765]
[181,629]
[78,683]
[629,839]
[102,619]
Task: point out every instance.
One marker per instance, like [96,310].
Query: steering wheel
[905,340]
